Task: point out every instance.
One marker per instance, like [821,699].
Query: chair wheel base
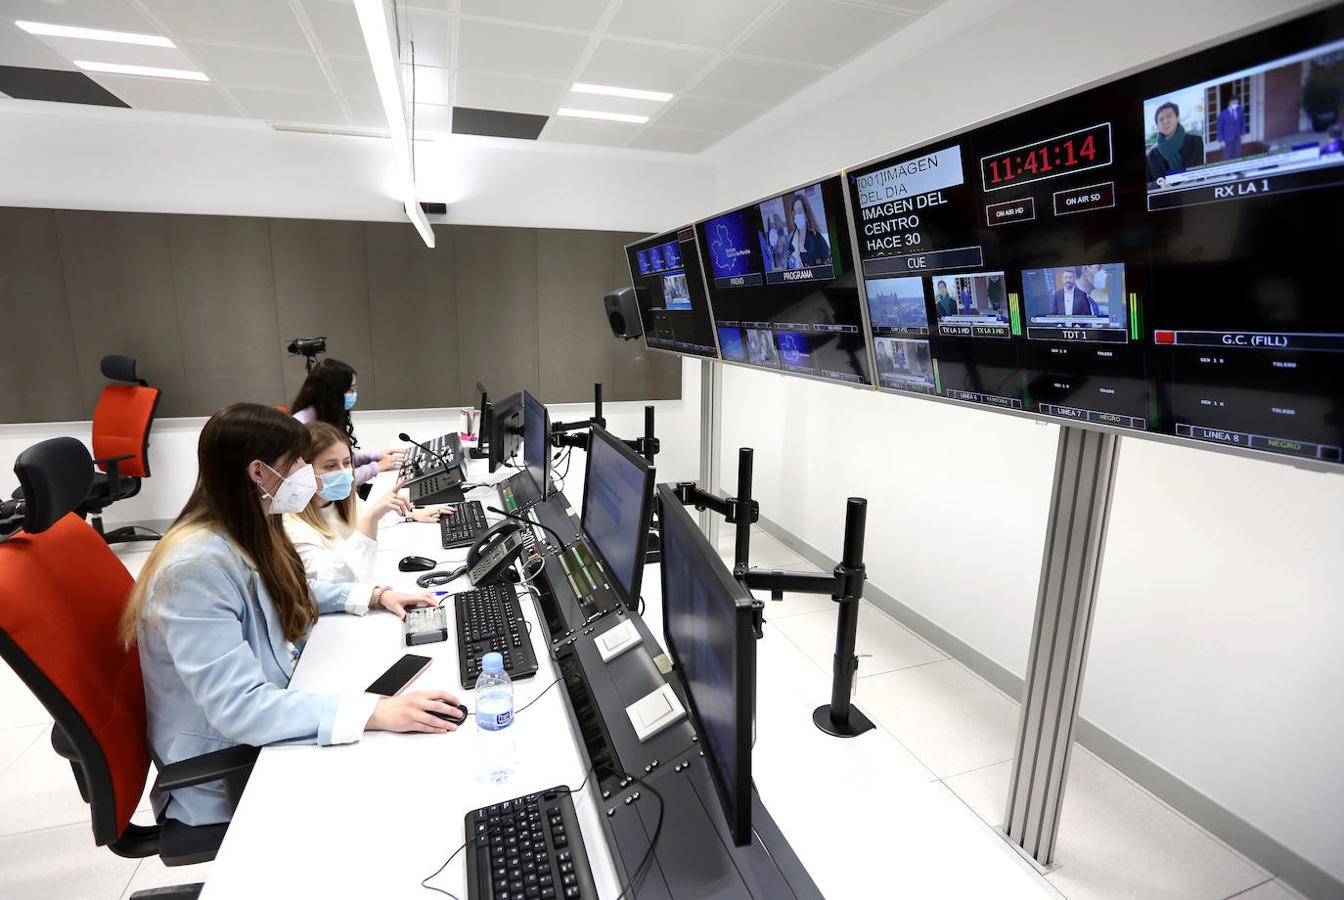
[131,533]
[175,892]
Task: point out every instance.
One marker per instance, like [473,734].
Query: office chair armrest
[206,768]
[114,472]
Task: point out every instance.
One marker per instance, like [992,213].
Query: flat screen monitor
[506,431]
[707,624]
[483,416]
[673,307]
[782,285]
[617,508]
[536,442]
[1143,255]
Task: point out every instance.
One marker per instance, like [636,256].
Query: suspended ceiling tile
[427,84]
[701,23]
[514,50]
[754,81]
[707,115]
[262,68]
[259,23]
[55,86]
[431,35]
[526,95]
[115,15]
[353,75]
[169,95]
[336,27]
[835,32]
[646,67]
[579,14]
[287,106]
[583,131]
[673,140]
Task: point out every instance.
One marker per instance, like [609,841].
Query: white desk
[373,818]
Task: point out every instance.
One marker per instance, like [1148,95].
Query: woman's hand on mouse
[411,712]
[399,601]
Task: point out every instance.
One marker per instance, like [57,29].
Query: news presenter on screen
[1175,150]
[1072,300]
[807,246]
[945,303]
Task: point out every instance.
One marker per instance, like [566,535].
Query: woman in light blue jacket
[223,602]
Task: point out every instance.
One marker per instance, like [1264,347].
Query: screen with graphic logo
[783,286]
[673,306]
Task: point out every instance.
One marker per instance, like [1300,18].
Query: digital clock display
[1077,151]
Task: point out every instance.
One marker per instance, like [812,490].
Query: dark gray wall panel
[38,365]
[119,285]
[208,303]
[226,308]
[413,295]
[574,272]
[497,308]
[322,288]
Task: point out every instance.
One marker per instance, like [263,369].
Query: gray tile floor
[1116,840]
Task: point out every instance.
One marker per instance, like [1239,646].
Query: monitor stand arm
[844,585]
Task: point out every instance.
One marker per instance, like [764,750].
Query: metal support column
[1075,540]
[711,412]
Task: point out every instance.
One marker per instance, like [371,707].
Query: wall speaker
[622,306]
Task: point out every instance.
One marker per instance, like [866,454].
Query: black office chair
[62,592]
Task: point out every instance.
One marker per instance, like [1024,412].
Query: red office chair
[121,424]
[62,591]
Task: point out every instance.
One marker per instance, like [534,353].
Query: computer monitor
[707,625]
[617,507]
[483,416]
[506,430]
[673,306]
[536,442]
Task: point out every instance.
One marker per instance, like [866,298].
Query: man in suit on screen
[1072,300]
[1231,123]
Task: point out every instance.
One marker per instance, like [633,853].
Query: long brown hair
[321,437]
[226,500]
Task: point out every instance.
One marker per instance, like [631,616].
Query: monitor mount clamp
[844,584]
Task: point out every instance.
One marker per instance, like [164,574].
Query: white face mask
[294,493]
[801,221]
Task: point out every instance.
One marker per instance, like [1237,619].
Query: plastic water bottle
[494,715]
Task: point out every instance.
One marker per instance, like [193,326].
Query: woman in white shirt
[337,537]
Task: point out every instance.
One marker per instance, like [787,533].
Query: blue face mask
[337,485]
[350,398]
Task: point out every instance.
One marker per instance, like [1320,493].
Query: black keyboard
[489,619]
[528,849]
[464,526]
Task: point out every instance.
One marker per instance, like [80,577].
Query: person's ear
[256,471]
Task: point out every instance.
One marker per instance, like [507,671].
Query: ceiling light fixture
[377,28]
[632,93]
[47,29]
[152,71]
[604,116]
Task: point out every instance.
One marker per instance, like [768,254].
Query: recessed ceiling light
[605,116]
[94,34]
[632,93]
[154,71]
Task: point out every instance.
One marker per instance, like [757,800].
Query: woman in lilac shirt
[328,394]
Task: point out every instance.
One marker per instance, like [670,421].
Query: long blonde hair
[226,501]
[321,437]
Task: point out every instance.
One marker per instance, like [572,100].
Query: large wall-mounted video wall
[1149,255]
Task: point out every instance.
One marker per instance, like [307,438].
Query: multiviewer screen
[1145,254]
[673,308]
[782,285]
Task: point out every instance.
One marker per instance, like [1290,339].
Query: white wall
[1216,642]
[172,453]
[71,157]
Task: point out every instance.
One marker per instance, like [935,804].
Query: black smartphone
[401,673]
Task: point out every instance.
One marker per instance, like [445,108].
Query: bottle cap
[492,663]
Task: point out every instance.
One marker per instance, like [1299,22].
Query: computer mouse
[416,564]
[449,717]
